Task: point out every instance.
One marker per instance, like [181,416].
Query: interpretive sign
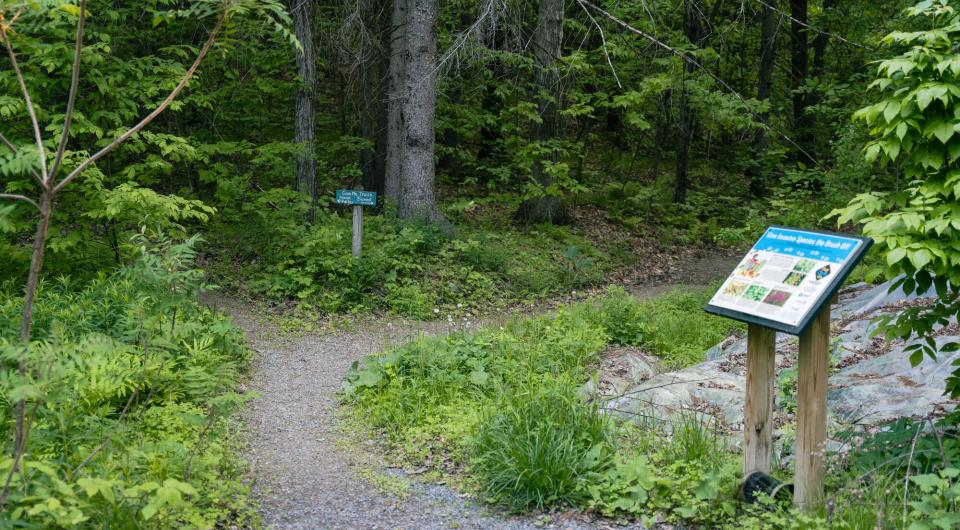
[357,197]
[786,283]
[787,276]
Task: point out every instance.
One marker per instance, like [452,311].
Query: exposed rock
[622,367]
[871,382]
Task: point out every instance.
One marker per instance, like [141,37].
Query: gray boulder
[871,382]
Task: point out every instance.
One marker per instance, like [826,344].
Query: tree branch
[156,112]
[13,149]
[18,197]
[71,99]
[44,181]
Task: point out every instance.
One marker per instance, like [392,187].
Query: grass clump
[673,327]
[537,446]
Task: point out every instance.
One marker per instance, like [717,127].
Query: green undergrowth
[502,409]
[130,384]
[500,412]
[411,269]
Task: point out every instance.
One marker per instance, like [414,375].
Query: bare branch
[44,181]
[74,82]
[606,54]
[156,112]
[18,197]
[490,13]
[13,149]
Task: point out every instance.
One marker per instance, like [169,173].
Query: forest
[196,331]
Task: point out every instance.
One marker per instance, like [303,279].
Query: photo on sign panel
[751,267]
[794,279]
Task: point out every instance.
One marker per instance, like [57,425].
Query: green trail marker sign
[786,283]
[358,199]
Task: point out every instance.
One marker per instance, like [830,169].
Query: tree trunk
[302,12]
[395,102]
[547,41]
[799,67]
[685,122]
[820,42]
[820,51]
[419,103]
[761,141]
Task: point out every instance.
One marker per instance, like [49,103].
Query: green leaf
[926,482]
[479,377]
[369,377]
[919,258]
[901,130]
[942,130]
[896,255]
[892,110]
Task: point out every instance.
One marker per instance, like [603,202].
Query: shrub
[674,326]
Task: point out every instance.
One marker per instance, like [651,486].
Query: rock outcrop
[871,380]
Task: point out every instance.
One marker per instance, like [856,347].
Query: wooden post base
[813,363]
[758,410]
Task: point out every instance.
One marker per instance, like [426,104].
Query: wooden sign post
[813,360]
[359,199]
[787,283]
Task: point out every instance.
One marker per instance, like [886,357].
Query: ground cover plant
[508,406]
[130,387]
[503,413]
[411,269]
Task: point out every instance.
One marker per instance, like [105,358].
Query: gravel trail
[304,478]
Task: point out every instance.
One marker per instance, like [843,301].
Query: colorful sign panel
[356,197]
[787,277]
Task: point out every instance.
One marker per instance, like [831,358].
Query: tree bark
[799,70]
[302,12]
[761,141]
[547,42]
[686,119]
[419,102]
[395,102]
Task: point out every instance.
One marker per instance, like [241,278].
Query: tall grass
[535,447]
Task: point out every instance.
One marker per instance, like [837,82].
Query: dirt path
[304,479]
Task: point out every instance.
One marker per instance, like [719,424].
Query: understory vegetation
[411,269]
[520,150]
[503,412]
[131,385]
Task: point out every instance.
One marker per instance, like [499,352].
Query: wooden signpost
[787,283]
[359,199]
